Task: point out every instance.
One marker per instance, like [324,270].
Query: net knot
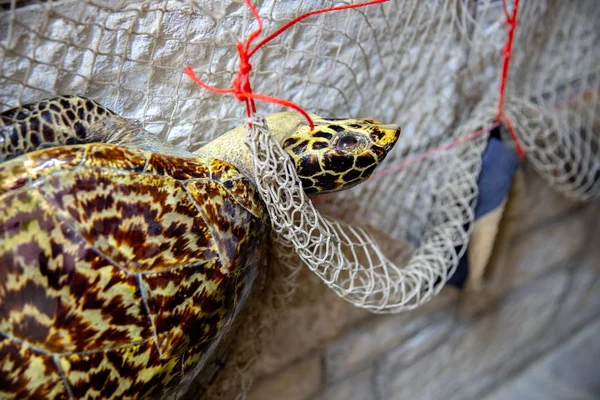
[245,66]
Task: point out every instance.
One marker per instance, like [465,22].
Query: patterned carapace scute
[119,269]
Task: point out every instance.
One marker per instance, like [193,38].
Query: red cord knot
[245,67]
[241,83]
[239,92]
[241,87]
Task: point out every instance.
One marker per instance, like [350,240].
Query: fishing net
[433,67]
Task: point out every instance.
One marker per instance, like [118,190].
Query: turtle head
[339,153]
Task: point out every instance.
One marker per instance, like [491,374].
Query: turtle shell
[120,270]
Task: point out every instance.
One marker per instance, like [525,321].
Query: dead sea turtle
[124,261]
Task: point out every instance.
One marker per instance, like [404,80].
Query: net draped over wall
[433,67]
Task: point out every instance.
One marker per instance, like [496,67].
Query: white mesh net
[433,67]
[344,255]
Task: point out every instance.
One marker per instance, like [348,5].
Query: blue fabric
[498,166]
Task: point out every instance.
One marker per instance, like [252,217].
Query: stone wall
[530,334]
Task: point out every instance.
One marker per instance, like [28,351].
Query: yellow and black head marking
[339,153]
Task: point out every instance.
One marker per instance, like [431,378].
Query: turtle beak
[385,135]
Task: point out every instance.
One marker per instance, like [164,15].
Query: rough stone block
[299,381]
[481,352]
[522,256]
[570,372]
[316,315]
[381,333]
[537,201]
[549,245]
[356,387]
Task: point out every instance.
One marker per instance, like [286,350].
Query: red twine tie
[241,87]
[511,22]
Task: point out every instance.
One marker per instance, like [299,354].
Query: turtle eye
[347,142]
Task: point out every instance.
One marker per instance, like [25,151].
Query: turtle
[124,260]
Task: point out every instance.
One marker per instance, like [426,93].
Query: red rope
[511,22]
[308,14]
[434,151]
[471,136]
[501,117]
[241,87]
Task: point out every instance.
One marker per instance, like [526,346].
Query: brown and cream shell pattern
[119,268]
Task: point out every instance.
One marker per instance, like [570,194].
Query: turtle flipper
[69,120]
[58,121]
